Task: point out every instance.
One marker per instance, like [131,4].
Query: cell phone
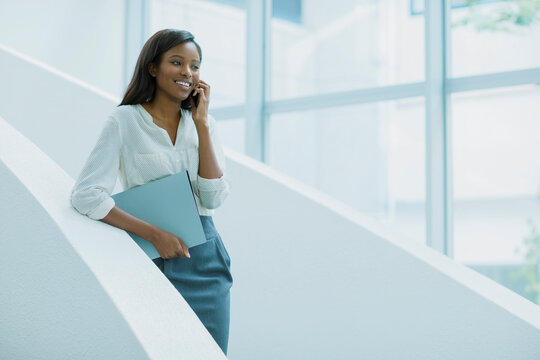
[196,98]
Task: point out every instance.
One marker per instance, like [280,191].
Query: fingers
[204,84]
[199,91]
[183,251]
[180,253]
[203,87]
[186,251]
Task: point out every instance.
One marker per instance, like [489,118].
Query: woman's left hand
[199,113]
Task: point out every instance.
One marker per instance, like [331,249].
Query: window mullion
[438,159]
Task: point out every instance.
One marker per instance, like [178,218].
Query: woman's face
[178,71]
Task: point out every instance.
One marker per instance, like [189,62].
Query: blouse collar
[148,118]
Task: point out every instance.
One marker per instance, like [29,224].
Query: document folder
[168,203]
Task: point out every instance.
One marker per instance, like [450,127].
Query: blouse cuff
[102,209]
[212,184]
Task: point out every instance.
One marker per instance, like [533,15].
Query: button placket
[176,160]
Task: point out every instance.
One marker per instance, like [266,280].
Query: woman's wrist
[151,233]
[202,127]
[203,132]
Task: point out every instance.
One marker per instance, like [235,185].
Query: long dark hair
[142,87]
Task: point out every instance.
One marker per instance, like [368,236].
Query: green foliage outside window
[508,16]
[530,250]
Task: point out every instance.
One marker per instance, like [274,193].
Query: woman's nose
[184,70]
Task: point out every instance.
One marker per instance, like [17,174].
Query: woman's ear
[152,69]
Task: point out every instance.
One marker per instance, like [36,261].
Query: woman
[162,127]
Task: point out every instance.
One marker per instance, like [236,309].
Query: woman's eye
[195,67]
[176,62]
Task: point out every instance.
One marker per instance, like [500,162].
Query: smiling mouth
[184,84]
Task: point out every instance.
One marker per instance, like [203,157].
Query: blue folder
[169,203]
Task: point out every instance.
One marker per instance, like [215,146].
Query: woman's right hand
[168,245]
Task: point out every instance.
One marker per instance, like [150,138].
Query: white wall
[76,288]
[316,280]
[64,120]
[82,38]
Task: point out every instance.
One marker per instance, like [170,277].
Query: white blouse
[133,147]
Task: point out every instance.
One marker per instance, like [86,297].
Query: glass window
[418,6]
[370,157]
[497,180]
[290,10]
[220,30]
[232,133]
[495,36]
[346,45]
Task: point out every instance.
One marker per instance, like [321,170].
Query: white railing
[77,288]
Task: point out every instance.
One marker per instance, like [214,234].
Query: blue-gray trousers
[204,280]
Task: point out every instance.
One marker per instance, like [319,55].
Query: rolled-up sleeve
[213,192]
[91,194]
